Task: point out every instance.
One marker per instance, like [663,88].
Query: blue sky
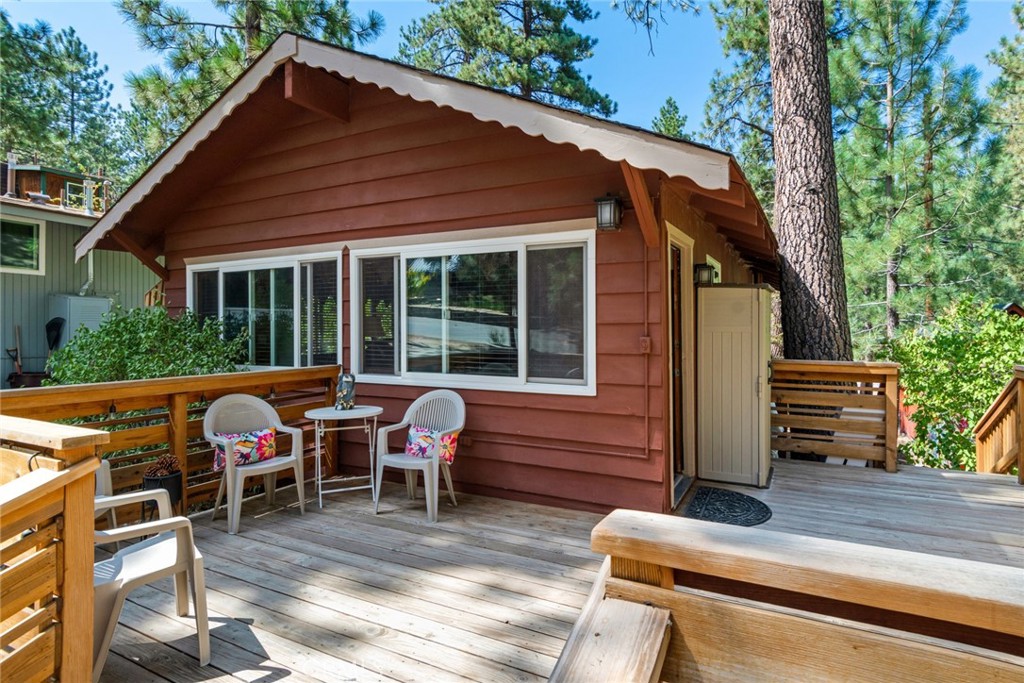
[686,49]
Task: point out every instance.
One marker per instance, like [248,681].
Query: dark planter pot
[171,482]
[19,380]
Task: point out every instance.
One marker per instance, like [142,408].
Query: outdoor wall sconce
[703,274]
[609,212]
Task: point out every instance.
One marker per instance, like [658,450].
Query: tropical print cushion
[421,442]
[250,447]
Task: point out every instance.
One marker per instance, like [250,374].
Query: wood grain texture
[716,638]
[973,593]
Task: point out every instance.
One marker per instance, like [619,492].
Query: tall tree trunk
[814,316]
[892,264]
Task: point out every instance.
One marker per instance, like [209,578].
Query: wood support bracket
[148,259]
[641,203]
[316,90]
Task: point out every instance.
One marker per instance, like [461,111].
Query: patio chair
[170,551]
[443,412]
[241,414]
[105,489]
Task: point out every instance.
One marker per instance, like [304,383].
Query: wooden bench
[753,604]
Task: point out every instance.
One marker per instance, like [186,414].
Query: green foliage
[144,343]
[56,101]
[669,121]
[952,370]
[202,58]
[522,46]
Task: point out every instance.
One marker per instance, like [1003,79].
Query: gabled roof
[703,169]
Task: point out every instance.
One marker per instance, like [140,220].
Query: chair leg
[103,649]
[410,483]
[447,472]
[377,482]
[235,503]
[300,487]
[202,617]
[430,491]
[181,593]
[220,496]
[270,486]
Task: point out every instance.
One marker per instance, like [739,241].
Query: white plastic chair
[170,551]
[237,414]
[442,411]
[105,489]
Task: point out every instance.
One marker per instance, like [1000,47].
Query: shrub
[952,370]
[144,343]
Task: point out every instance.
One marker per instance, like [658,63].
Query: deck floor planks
[425,599]
[445,627]
[545,616]
[977,517]
[491,591]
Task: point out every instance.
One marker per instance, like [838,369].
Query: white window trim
[442,246]
[41,227]
[233,265]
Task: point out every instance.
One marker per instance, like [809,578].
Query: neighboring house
[37,261]
[431,233]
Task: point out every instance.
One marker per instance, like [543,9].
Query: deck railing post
[1020,428]
[892,383]
[77,591]
[178,406]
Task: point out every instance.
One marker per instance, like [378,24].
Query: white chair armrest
[157,526]
[162,498]
[384,432]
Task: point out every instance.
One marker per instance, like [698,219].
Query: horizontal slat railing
[46,549]
[149,418]
[999,434]
[755,604]
[833,408]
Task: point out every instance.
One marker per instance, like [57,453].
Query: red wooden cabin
[426,232]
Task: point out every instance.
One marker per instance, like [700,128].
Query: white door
[731,385]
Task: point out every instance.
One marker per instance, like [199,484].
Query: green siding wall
[23,298]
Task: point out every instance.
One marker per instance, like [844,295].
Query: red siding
[401,167]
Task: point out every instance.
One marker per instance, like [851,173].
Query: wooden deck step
[619,641]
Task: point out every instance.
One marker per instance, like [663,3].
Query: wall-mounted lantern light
[609,212]
[703,274]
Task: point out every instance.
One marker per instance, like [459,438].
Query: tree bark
[814,314]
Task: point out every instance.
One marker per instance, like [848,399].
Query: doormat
[727,507]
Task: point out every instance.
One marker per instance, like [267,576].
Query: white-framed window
[22,246]
[288,306]
[508,313]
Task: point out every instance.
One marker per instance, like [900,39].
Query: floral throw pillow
[421,442]
[250,447]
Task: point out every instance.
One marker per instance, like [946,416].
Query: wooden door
[681,365]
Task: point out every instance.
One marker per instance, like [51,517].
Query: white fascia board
[707,168]
[283,48]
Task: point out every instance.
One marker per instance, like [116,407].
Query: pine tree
[1006,117]
[738,111]
[25,123]
[202,58]
[916,194]
[815,324]
[669,121]
[522,46]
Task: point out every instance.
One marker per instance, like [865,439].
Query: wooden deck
[491,591]
[958,514]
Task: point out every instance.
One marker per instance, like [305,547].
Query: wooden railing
[999,434]
[841,409]
[753,604]
[46,549]
[149,418]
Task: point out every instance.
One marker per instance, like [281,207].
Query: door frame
[687,411]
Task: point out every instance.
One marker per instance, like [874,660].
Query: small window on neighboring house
[22,247]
